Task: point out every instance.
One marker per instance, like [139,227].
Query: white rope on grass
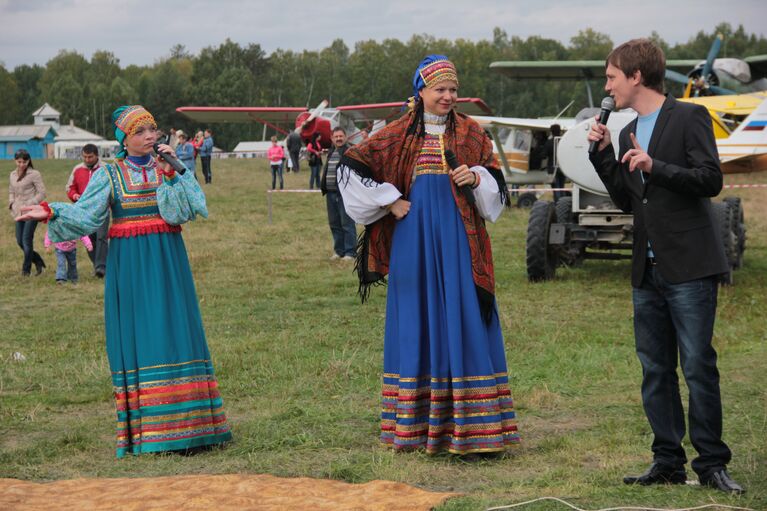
[629,508]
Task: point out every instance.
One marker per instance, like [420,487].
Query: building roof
[24,132]
[46,110]
[70,132]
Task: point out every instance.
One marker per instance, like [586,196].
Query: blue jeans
[66,268]
[25,238]
[676,322]
[341,226]
[314,178]
[276,170]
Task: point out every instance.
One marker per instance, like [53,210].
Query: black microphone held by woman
[452,162]
[172,160]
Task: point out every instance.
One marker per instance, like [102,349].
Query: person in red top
[78,181]
[275,154]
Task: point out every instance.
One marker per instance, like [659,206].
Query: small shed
[38,140]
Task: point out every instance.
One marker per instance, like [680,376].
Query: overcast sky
[143,31]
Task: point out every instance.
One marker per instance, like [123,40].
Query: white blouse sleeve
[365,200]
[486,194]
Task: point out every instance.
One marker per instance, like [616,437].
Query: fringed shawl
[389,157]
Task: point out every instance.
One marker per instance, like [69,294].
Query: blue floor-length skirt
[165,391]
[445,377]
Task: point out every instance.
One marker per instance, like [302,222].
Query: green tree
[9,92]
[27,78]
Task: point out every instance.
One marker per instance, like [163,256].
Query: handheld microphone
[177,165]
[608,105]
[466,190]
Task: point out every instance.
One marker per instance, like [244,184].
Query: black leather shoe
[39,267]
[100,273]
[658,474]
[722,481]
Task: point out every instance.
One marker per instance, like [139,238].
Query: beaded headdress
[127,119]
[432,70]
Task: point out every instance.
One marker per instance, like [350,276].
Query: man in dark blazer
[666,171]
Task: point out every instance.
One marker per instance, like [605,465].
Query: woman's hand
[36,212]
[164,165]
[462,176]
[400,208]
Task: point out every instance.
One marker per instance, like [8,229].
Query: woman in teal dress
[166,394]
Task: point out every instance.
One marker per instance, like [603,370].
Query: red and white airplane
[322,119]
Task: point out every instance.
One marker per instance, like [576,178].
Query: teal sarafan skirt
[165,391]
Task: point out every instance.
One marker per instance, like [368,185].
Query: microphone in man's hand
[452,162]
[172,161]
[608,105]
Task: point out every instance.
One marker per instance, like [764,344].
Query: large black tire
[723,219]
[738,222]
[541,257]
[526,200]
[564,210]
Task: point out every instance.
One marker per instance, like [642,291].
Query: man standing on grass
[666,171]
[342,227]
[78,181]
[293,143]
[206,150]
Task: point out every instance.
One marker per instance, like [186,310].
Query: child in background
[66,257]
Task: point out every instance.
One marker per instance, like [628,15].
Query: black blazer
[672,207]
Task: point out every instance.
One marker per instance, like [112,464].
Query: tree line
[86,91]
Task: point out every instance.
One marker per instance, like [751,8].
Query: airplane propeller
[317,111]
[698,82]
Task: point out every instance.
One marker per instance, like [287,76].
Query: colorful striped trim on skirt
[459,415]
[168,407]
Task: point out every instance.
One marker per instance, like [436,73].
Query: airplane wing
[281,118]
[736,104]
[746,149]
[519,122]
[387,111]
[569,69]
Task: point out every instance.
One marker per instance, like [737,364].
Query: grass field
[299,362]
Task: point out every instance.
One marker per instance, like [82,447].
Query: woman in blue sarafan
[445,382]
[165,391]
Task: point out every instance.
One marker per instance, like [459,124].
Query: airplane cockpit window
[522,140]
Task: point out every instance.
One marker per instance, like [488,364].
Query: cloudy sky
[142,31]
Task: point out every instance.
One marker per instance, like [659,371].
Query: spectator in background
[342,227]
[78,182]
[314,150]
[173,138]
[185,152]
[26,188]
[66,257]
[275,154]
[293,143]
[206,150]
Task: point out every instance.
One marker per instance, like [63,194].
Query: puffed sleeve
[71,221]
[180,199]
[365,200]
[488,201]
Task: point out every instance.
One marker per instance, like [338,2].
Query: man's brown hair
[641,55]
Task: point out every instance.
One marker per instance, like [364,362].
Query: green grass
[299,363]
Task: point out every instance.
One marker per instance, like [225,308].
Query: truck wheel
[564,210]
[723,220]
[526,200]
[738,227]
[542,259]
